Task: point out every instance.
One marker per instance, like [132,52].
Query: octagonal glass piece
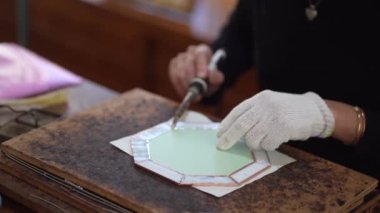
[188,155]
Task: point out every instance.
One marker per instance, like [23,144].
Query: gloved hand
[270,118]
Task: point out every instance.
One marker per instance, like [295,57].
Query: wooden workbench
[82,154]
[20,191]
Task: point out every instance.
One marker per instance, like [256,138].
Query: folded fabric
[24,73]
[43,101]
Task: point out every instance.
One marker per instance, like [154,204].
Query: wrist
[349,122]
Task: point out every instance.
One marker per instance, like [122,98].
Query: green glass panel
[194,152]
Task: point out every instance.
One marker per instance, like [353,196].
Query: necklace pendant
[311,12]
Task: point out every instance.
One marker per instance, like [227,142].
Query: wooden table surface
[310,184]
[16,190]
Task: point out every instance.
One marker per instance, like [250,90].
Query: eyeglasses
[15,122]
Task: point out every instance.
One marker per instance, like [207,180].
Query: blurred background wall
[120,44]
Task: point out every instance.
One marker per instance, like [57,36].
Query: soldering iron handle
[199,85]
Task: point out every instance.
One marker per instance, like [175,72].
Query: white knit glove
[270,118]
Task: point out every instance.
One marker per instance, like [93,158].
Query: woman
[316,62]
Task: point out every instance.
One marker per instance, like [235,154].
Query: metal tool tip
[174,123]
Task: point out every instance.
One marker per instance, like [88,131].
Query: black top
[335,55]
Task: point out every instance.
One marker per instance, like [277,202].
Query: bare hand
[193,63]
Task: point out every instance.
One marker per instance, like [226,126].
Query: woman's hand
[270,118]
[193,63]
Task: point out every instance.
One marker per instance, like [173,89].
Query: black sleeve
[369,145]
[236,39]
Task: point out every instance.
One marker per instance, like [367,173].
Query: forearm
[346,121]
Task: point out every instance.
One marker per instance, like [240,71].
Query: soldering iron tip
[173,125]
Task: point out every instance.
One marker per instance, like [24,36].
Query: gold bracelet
[360,125]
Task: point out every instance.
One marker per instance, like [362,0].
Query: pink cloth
[24,73]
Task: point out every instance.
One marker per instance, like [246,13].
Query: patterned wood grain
[78,149]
